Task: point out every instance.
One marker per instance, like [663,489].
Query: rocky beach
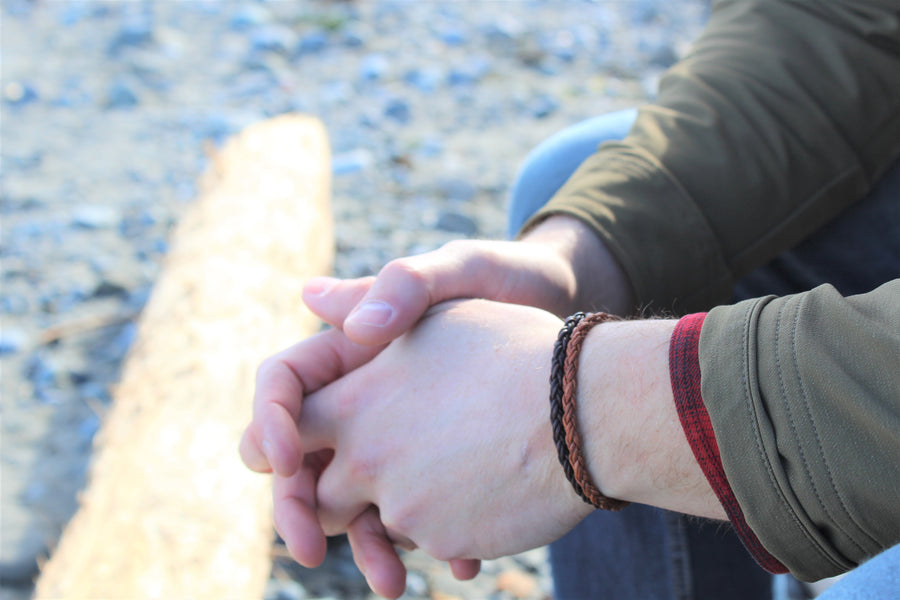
[109,112]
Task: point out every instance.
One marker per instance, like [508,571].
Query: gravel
[109,110]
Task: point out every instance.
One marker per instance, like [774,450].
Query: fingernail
[319,286]
[373,312]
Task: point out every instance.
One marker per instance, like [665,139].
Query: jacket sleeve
[803,394]
[783,114]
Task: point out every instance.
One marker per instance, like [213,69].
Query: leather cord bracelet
[563,408]
[557,371]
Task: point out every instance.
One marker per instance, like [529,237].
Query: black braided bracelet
[556,393]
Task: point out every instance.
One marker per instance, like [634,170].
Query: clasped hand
[440,439]
[444,431]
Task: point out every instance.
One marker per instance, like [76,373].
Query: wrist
[598,281]
[633,441]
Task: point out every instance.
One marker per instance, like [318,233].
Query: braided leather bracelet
[563,414]
[557,371]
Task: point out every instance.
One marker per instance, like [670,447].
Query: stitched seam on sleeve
[804,397]
[754,420]
[790,415]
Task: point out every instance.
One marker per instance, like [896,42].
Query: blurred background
[109,111]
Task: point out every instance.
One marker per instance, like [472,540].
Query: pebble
[18,93]
[71,13]
[94,216]
[14,304]
[134,225]
[284,590]
[25,163]
[121,95]
[457,223]
[456,188]
[425,80]
[373,67]
[88,428]
[12,340]
[58,301]
[504,29]
[312,43]
[353,39]
[273,38]
[351,162]
[398,110]
[518,583]
[123,340]
[247,16]
[452,36]
[135,32]
[543,106]
[416,584]
[39,371]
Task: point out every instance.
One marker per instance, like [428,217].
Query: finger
[287,376]
[282,381]
[332,299]
[406,287]
[251,453]
[465,568]
[342,494]
[294,514]
[376,556]
[281,442]
[329,411]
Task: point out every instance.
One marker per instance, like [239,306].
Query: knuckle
[459,247]
[363,468]
[328,491]
[398,518]
[345,406]
[328,496]
[405,268]
[265,367]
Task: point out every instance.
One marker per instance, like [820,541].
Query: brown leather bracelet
[582,477]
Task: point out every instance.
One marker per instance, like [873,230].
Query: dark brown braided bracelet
[557,371]
[568,441]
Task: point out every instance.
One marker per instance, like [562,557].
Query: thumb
[407,287]
[332,299]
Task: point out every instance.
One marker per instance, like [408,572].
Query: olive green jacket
[783,114]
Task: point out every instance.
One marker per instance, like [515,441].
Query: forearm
[597,280]
[777,414]
[782,115]
[635,446]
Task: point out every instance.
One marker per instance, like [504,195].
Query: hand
[561,266]
[543,270]
[447,432]
[271,443]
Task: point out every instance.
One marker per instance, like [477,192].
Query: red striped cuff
[684,370]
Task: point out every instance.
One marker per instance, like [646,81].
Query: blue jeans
[647,553]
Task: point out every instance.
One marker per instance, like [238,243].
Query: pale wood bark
[170,511]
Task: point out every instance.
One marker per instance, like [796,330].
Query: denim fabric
[549,165]
[879,577]
[644,552]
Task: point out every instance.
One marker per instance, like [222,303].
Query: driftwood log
[169,511]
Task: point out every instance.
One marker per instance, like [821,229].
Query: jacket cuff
[641,213]
[684,371]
